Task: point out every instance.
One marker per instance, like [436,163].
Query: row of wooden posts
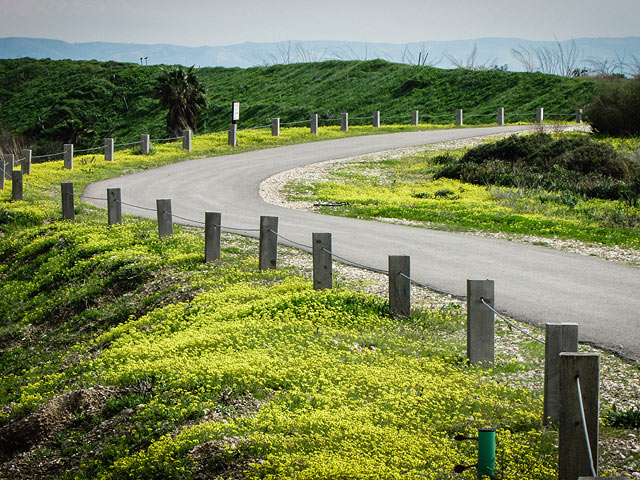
[232,137]
[564,366]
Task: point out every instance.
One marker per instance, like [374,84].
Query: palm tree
[182,93]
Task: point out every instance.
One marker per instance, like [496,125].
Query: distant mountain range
[482,52]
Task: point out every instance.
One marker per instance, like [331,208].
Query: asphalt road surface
[532,283]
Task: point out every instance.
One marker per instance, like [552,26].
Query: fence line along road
[536,284]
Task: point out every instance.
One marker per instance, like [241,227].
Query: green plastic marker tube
[486,452]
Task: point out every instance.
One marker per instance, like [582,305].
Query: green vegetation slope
[82,102]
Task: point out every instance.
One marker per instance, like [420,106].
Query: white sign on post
[236,112]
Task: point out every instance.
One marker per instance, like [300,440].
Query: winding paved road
[533,283]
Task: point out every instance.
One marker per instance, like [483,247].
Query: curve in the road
[533,283]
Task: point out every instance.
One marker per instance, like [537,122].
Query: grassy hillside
[125,356]
[83,102]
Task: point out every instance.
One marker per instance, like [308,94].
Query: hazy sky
[215,22]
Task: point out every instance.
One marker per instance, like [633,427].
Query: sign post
[235,116]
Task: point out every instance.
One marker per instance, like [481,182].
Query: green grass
[82,102]
[404,189]
[124,356]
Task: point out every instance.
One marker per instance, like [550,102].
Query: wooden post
[68,156]
[375,121]
[344,122]
[275,127]
[145,144]
[68,207]
[114,206]
[573,453]
[415,117]
[579,115]
[399,285]
[459,121]
[232,136]
[165,219]
[186,140]
[268,243]
[322,261]
[480,322]
[108,149]
[16,186]
[26,162]
[539,115]
[212,232]
[3,166]
[500,116]
[559,337]
[314,123]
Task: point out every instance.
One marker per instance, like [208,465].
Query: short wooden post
[68,207]
[399,285]
[145,144]
[16,185]
[313,120]
[459,121]
[232,136]
[539,115]
[165,219]
[322,261]
[344,122]
[581,369]
[268,243]
[415,117]
[26,161]
[108,149]
[559,337]
[186,140]
[275,127]
[375,121]
[212,233]
[3,167]
[68,156]
[114,206]
[500,116]
[9,160]
[579,115]
[480,322]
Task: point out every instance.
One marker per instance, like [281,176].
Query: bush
[616,109]
[576,165]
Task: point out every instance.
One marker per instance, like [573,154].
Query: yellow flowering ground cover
[125,356]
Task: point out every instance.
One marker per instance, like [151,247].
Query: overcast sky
[215,22]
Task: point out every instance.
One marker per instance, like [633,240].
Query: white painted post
[579,115]
[415,117]
[344,122]
[314,123]
[108,149]
[500,116]
[145,144]
[232,136]
[539,115]
[26,162]
[459,122]
[186,140]
[275,127]
[480,322]
[68,156]
[376,119]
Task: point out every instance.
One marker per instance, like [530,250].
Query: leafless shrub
[471,62]
[560,59]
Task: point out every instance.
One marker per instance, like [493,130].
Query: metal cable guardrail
[291,241]
[584,427]
[428,287]
[510,323]
[88,149]
[127,144]
[47,156]
[351,262]
[136,206]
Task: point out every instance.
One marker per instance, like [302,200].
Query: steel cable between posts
[294,123]
[209,133]
[355,264]
[182,218]
[428,287]
[510,323]
[291,241]
[136,206]
[584,427]
[126,144]
[49,155]
[88,149]
[166,139]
